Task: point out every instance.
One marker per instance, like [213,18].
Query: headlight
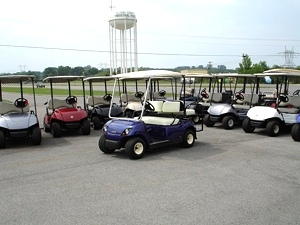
[104,129]
[126,131]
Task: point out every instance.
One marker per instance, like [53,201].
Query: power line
[140,53]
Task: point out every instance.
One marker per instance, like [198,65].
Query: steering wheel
[162,93]
[297,92]
[107,97]
[149,106]
[21,102]
[204,94]
[283,98]
[240,95]
[71,99]
[139,94]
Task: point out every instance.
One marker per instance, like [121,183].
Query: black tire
[207,121]
[188,139]
[247,126]
[86,127]
[102,147]
[96,123]
[228,122]
[273,128]
[46,129]
[36,136]
[135,148]
[56,130]
[295,132]
[2,139]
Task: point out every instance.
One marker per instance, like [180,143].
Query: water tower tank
[123,20]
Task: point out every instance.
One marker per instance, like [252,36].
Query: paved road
[228,177]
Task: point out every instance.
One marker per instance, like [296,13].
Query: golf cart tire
[135,148]
[247,126]
[96,123]
[273,128]
[2,139]
[295,132]
[102,147]
[36,136]
[207,121]
[188,139]
[86,127]
[46,129]
[56,130]
[228,122]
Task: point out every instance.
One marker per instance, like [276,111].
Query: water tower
[123,42]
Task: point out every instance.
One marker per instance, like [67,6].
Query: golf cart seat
[167,108]
[7,107]
[216,97]
[247,102]
[125,98]
[175,108]
[93,101]
[58,103]
[293,105]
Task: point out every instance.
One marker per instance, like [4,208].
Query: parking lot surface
[227,177]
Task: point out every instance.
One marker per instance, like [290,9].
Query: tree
[246,65]
[78,70]
[64,70]
[50,71]
[260,67]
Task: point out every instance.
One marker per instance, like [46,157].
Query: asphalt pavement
[228,177]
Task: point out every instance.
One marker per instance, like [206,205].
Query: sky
[38,34]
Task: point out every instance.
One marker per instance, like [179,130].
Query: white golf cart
[231,106]
[283,110]
[18,119]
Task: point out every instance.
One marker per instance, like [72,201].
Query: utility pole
[289,57]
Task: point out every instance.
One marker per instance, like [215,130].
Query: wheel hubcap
[276,129]
[138,148]
[230,123]
[189,139]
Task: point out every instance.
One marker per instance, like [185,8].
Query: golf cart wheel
[102,147]
[56,130]
[228,122]
[46,129]
[135,148]
[295,132]
[247,126]
[196,119]
[273,128]
[96,123]
[36,136]
[207,121]
[86,127]
[188,139]
[2,139]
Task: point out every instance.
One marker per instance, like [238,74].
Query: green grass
[46,91]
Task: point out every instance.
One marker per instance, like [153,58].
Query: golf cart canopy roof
[62,79]
[280,72]
[98,79]
[148,74]
[198,75]
[15,78]
[234,75]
